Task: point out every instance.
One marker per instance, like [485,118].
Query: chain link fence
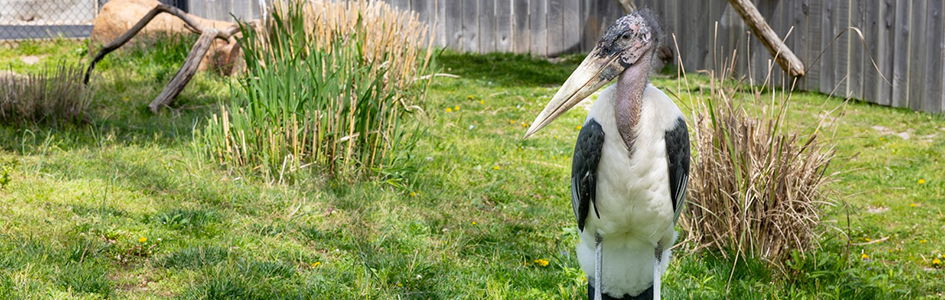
[46,19]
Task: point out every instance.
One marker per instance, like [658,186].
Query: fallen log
[191,64]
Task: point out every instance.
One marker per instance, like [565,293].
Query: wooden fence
[905,38]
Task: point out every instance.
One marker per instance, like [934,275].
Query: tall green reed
[319,92]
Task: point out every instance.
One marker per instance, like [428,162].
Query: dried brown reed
[51,96]
[756,187]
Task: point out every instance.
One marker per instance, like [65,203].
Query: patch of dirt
[31,59]
[877,209]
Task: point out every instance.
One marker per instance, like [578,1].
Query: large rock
[117,16]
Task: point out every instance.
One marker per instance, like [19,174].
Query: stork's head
[630,42]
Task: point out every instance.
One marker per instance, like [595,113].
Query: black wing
[677,153]
[584,170]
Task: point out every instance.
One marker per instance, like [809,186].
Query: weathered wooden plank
[439,22]
[454,24]
[841,47]
[571,11]
[503,25]
[814,44]
[871,23]
[538,27]
[470,27]
[799,39]
[521,34]
[827,76]
[900,88]
[590,24]
[884,54]
[486,32]
[555,25]
[423,8]
[856,53]
[935,57]
[918,47]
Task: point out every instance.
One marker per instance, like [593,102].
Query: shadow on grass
[507,69]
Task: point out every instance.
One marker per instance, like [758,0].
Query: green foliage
[307,99]
[467,218]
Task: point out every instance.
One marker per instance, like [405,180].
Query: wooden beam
[187,71]
[781,53]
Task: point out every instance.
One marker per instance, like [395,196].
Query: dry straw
[756,187]
[52,96]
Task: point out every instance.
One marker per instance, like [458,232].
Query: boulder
[117,16]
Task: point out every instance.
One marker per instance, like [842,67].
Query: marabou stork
[630,166]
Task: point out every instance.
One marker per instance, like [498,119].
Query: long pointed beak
[594,72]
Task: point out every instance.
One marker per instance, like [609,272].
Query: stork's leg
[656,272]
[598,242]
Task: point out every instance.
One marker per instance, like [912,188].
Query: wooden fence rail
[895,56]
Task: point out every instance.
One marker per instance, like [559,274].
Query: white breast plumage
[635,214]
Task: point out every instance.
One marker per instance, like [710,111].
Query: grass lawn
[123,207]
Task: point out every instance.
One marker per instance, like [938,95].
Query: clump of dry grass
[52,96]
[756,185]
[327,85]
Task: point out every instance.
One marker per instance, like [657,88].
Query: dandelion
[921,181]
[315,264]
[524,124]
[914,205]
[864,256]
[541,262]
[413,194]
[456,108]
[449,110]
[578,127]
[474,222]
[482,101]
[936,262]
[142,239]
[496,168]
[923,241]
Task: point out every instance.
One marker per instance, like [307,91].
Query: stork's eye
[625,36]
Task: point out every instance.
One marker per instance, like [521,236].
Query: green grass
[464,217]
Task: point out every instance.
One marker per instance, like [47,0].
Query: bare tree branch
[782,54]
[187,71]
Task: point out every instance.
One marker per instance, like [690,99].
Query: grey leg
[597,267]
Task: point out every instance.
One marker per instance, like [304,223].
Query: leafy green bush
[52,96]
[327,84]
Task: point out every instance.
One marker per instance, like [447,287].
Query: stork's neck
[629,100]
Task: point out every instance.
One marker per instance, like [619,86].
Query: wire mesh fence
[46,19]
[43,19]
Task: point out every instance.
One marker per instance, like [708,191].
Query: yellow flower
[864,256]
[936,262]
[496,167]
[474,222]
[142,239]
[482,101]
[921,181]
[456,108]
[449,110]
[315,264]
[524,124]
[413,194]
[541,262]
[914,205]
[578,127]
[923,241]
[882,138]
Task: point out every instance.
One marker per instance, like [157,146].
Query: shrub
[327,84]
[756,186]
[52,96]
